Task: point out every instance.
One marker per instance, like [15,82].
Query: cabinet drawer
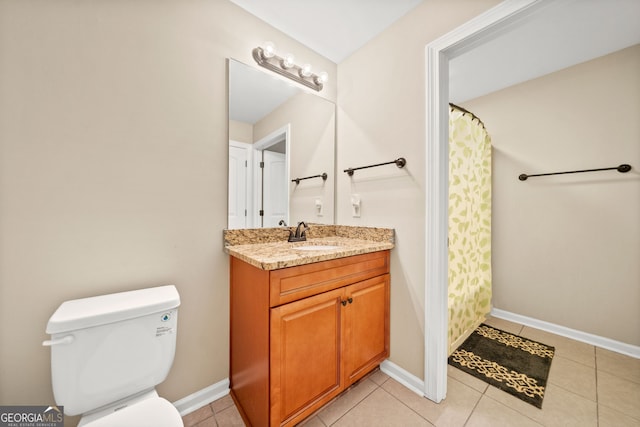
[291,284]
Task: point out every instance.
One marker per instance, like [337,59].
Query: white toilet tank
[110,347]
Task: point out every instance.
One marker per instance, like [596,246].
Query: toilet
[109,352]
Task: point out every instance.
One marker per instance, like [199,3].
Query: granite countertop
[272,251]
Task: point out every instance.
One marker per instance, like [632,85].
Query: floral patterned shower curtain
[469,224]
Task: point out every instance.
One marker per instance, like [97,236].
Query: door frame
[482,28]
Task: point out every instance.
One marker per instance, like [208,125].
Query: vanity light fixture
[285,66]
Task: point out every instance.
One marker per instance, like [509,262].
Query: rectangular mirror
[281,151]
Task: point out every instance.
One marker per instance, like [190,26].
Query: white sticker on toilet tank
[163,330]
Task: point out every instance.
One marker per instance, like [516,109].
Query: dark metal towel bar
[323,176]
[622,169]
[399,162]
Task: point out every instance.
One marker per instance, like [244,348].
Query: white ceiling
[333,28]
[253,94]
[560,34]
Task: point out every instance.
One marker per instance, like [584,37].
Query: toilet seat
[152,412]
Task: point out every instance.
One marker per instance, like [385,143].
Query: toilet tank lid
[94,311]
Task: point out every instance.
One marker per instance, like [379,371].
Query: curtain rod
[465,111]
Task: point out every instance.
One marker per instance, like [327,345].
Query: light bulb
[287,61]
[305,71]
[322,78]
[269,50]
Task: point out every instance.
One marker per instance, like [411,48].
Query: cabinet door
[306,343]
[366,326]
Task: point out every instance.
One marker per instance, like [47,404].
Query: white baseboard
[405,378]
[203,397]
[607,343]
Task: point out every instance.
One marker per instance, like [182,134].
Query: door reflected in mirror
[278,132]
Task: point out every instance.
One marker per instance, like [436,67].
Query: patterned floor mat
[514,364]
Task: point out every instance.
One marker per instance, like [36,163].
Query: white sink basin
[316,248]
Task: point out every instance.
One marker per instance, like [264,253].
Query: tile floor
[587,386]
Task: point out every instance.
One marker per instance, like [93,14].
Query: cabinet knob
[344,303]
[350,300]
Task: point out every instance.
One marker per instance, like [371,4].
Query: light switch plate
[355,205]
[319,210]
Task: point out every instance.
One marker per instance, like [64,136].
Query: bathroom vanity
[305,323]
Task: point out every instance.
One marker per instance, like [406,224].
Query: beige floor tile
[608,417]
[490,413]
[195,417]
[618,364]
[559,407]
[378,377]
[381,409]
[565,347]
[573,376]
[619,394]
[312,422]
[505,325]
[209,422]
[346,401]
[222,403]
[451,412]
[230,417]
[464,378]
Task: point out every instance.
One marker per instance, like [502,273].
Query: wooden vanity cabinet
[302,335]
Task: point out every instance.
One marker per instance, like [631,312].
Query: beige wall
[381,116]
[311,121]
[312,125]
[113,169]
[241,132]
[566,248]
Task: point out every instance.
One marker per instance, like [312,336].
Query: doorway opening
[438,53]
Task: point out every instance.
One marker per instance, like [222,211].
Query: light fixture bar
[294,72]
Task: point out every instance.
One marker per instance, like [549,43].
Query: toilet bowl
[108,353]
[148,410]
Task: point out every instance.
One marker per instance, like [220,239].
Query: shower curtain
[469,224]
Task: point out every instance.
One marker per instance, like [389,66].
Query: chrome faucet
[300,234]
